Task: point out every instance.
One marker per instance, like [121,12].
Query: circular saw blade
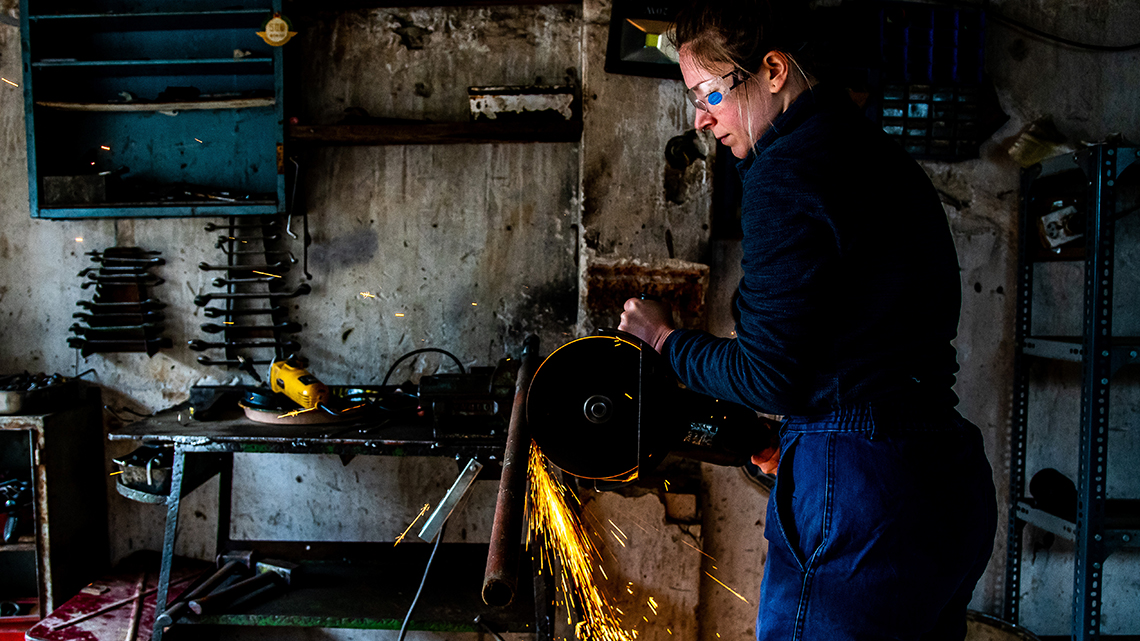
[584,406]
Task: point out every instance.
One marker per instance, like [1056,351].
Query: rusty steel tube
[501,576]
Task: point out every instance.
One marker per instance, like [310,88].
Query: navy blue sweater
[851,291]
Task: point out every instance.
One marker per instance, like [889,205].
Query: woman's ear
[774,72]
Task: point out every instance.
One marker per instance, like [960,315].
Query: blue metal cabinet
[151,108]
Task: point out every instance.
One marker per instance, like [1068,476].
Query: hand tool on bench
[206,267]
[270,573]
[228,564]
[213,312]
[286,328]
[201,346]
[204,299]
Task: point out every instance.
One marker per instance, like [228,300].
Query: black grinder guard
[608,407]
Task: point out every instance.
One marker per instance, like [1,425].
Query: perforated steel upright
[1101,355]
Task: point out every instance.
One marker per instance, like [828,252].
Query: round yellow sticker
[276,31]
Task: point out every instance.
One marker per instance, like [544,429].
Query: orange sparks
[368,294]
[566,547]
[265,273]
[399,315]
[9,82]
[296,412]
[423,511]
[734,592]
[104,147]
[699,550]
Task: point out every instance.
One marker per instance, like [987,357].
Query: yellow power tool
[289,377]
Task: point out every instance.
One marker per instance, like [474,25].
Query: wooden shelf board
[235,103]
[431,133]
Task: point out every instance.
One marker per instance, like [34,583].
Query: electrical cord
[415,599]
[421,351]
[1017,24]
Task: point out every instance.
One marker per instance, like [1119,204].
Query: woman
[883,515]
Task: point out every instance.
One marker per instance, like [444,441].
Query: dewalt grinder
[289,377]
[608,407]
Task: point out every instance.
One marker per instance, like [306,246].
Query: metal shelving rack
[1102,525]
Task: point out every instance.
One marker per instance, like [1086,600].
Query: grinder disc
[583,406]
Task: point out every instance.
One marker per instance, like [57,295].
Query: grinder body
[608,407]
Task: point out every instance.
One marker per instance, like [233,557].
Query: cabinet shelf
[59,64]
[147,15]
[185,105]
[432,133]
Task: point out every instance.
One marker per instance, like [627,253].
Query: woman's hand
[649,320]
[768,460]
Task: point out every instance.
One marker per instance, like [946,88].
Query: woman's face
[730,117]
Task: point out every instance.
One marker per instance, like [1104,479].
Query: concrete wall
[430,230]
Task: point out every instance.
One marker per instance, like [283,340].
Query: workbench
[345,585]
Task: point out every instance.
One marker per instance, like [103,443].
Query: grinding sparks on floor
[565,547]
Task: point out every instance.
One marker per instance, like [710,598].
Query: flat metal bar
[455,494]
[1046,521]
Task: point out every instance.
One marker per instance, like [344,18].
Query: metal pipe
[501,575]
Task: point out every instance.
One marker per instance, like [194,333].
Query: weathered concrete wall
[430,230]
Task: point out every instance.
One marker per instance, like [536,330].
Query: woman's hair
[741,32]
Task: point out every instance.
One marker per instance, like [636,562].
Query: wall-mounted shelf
[133,108]
[434,133]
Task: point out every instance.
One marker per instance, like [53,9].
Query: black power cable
[421,351]
[1017,24]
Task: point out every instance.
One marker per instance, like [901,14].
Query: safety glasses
[711,92]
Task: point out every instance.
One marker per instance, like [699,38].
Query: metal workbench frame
[203,449]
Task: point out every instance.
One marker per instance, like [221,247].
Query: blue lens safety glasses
[703,101]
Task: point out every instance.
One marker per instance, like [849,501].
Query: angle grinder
[608,407]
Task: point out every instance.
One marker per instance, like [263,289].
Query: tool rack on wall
[249,315]
[1092,179]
